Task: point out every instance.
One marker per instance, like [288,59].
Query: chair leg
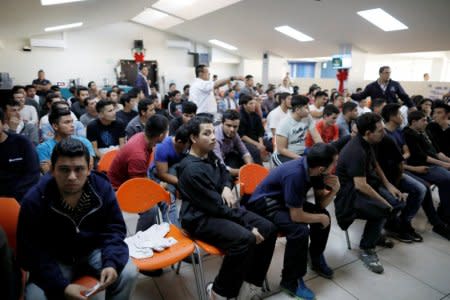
[348,240]
[266,287]
[202,290]
[199,281]
[178,268]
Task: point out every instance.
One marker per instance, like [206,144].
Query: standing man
[42,85]
[142,81]
[201,91]
[386,88]
[70,222]
[281,198]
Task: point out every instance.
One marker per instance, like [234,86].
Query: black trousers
[244,260]
[297,236]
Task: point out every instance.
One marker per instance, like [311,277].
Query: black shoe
[443,230]
[156,273]
[399,233]
[413,234]
[443,216]
[384,242]
[320,266]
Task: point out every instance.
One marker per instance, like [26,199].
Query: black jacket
[393,90]
[419,146]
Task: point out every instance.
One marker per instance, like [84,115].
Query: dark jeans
[279,159]
[10,275]
[416,193]
[234,160]
[297,236]
[244,259]
[254,152]
[440,177]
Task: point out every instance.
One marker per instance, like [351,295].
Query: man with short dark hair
[326,128]
[79,103]
[146,109]
[209,213]
[281,198]
[275,116]
[70,223]
[42,84]
[189,109]
[105,132]
[13,122]
[365,192]
[142,82]
[345,119]
[27,112]
[91,113]
[385,88]
[19,166]
[439,129]
[46,130]
[229,147]
[423,153]
[248,89]
[32,99]
[316,109]
[378,104]
[129,103]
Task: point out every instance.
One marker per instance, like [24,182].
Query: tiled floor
[412,271]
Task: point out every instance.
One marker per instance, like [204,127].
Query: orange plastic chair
[9,217]
[250,176]
[106,160]
[138,195]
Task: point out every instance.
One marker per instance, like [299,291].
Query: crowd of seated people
[370,161]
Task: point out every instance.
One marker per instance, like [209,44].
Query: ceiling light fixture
[191,9]
[55,2]
[66,26]
[293,33]
[223,44]
[382,19]
[154,18]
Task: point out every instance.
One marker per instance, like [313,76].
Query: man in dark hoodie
[208,213]
[70,223]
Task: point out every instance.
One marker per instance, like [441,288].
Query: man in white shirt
[275,116]
[316,109]
[202,90]
[27,112]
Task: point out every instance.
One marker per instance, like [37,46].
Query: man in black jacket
[386,88]
[208,213]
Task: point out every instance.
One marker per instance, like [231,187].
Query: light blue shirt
[45,149]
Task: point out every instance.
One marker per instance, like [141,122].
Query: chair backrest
[106,160]
[138,195]
[250,176]
[9,217]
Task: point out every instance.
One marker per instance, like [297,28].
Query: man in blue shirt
[62,122]
[281,198]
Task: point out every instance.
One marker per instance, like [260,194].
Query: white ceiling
[249,24]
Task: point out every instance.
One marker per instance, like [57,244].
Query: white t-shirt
[312,107]
[283,89]
[363,110]
[29,114]
[202,94]
[273,120]
[295,132]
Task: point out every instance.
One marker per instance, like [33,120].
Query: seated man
[105,133]
[207,213]
[229,147]
[326,128]
[91,113]
[70,223]
[346,118]
[79,104]
[276,115]
[189,110]
[133,160]
[14,123]
[10,274]
[146,109]
[423,153]
[291,133]
[129,102]
[439,129]
[316,109]
[19,167]
[365,192]
[62,124]
[27,112]
[251,129]
[168,154]
[281,198]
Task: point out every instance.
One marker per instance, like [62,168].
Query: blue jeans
[440,177]
[120,290]
[416,194]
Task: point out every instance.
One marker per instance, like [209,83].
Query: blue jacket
[142,84]
[46,236]
[393,90]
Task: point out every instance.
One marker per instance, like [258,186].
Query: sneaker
[211,294]
[370,259]
[250,292]
[399,233]
[413,234]
[443,230]
[321,267]
[384,242]
[300,292]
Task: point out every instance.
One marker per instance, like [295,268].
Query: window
[302,69]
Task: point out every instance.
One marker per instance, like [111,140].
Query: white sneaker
[250,292]
[211,294]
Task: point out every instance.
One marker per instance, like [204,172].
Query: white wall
[93,53]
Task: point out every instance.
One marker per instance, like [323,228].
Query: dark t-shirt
[105,136]
[357,159]
[125,117]
[440,137]
[41,82]
[389,158]
[174,125]
[250,125]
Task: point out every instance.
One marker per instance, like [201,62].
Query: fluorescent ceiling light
[66,26]
[157,19]
[222,44]
[54,2]
[191,9]
[295,34]
[382,19]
